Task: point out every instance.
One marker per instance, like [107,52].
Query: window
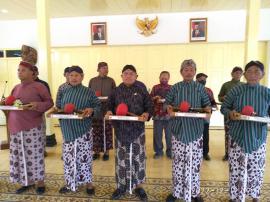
[13,53]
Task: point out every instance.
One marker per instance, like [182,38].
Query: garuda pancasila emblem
[147,27]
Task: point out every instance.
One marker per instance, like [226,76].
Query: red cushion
[10,100]
[184,106]
[69,108]
[122,109]
[248,110]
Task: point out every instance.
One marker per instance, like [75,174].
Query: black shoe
[45,154]
[23,189]
[225,157]
[197,199]
[169,155]
[90,191]
[170,198]
[64,190]
[106,157]
[206,157]
[95,156]
[232,200]
[141,194]
[117,194]
[50,140]
[40,190]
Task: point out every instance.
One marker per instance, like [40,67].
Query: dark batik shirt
[82,97]
[160,112]
[187,129]
[138,101]
[248,135]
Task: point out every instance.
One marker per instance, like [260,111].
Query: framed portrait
[198,29]
[98,33]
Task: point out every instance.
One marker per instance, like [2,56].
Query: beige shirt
[103,84]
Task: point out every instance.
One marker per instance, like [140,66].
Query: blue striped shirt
[82,97]
[247,134]
[59,94]
[187,129]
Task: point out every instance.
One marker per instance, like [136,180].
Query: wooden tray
[255,119]
[66,116]
[162,100]
[4,107]
[103,97]
[124,118]
[192,115]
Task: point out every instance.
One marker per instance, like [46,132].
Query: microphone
[3,96]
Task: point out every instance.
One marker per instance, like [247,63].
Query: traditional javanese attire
[187,140]
[78,137]
[247,140]
[226,87]
[102,138]
[130,136]
[27,134]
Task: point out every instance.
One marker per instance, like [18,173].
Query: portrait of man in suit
[198,29]
[98,31]
[99,34]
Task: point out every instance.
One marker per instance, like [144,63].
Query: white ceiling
[25,9]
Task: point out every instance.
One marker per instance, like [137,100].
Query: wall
[173,28]
[163,51]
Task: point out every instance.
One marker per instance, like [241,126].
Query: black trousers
[205,139]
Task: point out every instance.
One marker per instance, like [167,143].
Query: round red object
[69,108]
[122,109]
[98,93]
[10,100]
[248,110]
[184,106]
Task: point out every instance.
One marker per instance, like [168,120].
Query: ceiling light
[4,11]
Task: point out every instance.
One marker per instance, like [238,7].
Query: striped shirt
[247,134]
[187,129]
[82,97]
[59,94]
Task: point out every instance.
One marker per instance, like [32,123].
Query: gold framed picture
[198,29]
[98,33]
